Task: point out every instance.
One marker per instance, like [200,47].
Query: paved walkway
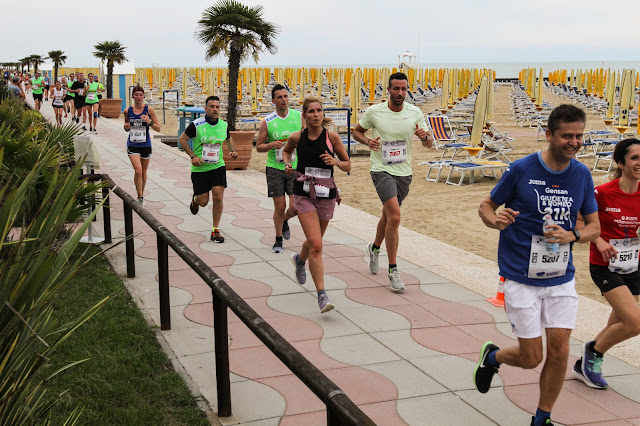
[403,358]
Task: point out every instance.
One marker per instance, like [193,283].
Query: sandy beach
[449,213]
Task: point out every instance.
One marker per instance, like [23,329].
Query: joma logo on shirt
[612,209]
[536,182]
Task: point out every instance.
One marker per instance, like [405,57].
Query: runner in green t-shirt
[393,124]
[272,137]
[208,172]
[92,102]
[37,88]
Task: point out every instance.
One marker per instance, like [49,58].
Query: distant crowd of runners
[69,95]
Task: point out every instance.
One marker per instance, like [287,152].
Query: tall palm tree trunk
[109,80]
[234,68]
[55,73]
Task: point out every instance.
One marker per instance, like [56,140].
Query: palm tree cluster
[113,53]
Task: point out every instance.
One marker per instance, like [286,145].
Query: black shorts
[67,98]
[78,102]
[607,280]
[46,87]
[204,181]
[279,183]
[57,106]
[143,151]
[37,97]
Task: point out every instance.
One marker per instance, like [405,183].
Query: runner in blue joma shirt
[539,288]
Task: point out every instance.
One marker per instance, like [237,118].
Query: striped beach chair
[442,139]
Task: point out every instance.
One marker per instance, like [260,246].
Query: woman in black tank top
[314,191]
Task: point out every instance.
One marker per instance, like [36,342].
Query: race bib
[138,134]
[81,92]
[280,159]
[91,96]
[321,190]
[211,153]
[36,87]
[547,264]
[394,152]
[627,260]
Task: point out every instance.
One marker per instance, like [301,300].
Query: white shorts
[530,308]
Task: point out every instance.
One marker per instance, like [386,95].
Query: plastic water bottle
[548,221]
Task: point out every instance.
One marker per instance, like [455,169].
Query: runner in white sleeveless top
[57,93]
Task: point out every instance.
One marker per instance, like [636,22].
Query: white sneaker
[373,258]
[396,281]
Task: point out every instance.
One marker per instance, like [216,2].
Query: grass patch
[128,379]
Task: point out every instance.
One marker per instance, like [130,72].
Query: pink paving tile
[298,396]
[256,363]
[608,399]
[417,316]
[249,288]
[259,304]
[331,266]
[376,296]
[357,264]
[363,386]
[232,208]
[289,328]
[450,340]
[308,419]
[263,214]
[246,215]
[200,293]
[184,278]
[311,350]
[459,313]
[200,313]
[355,279]
[417,296]
[568,409]
[247,203]
[340,251]
[635,421]
[212,260]
[486,332]
[383,413]
[254,223]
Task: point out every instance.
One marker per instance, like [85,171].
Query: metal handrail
[340,409]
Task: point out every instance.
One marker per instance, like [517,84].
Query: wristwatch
[577,234]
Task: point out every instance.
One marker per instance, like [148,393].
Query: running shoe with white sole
[301,274]
[483,372]
[277,247]
[396,280]
[591,369]
[324,303]
[373,258]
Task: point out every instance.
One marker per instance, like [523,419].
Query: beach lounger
[441,129]
[603,157]
[464,168]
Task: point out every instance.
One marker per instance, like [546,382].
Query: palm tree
[25,61]
[58,57]
[238,32]
[36,60]
[113,53]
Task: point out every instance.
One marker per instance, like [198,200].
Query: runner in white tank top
[57,94]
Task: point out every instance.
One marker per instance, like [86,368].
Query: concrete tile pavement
[403,358]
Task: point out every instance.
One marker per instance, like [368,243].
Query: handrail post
[106,215]
[128,233]
[221,340]
[163,284]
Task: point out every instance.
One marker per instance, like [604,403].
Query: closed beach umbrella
[480,112]
[625,98]
[540,87]
[490,98]
[444,101]
[340,88]
[611,94]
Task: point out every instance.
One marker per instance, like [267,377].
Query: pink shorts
[324,206]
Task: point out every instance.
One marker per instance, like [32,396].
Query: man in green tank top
[208,172]
[272,137]
[37,87]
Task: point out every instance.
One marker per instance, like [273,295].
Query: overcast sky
[337,32]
